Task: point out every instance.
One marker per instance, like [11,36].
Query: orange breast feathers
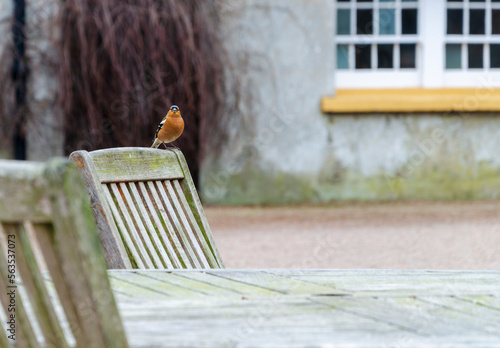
[173,126]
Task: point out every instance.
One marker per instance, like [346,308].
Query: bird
[170,128]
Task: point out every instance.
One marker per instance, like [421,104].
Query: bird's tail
[156,143]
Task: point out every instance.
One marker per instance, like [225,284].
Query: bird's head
[174,111]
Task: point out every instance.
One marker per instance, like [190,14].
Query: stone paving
[405,235]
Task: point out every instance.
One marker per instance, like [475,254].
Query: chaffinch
[170,128]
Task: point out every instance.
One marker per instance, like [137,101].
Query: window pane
[455,0]
[454,22]
[409,21]
[364,22]
[385,55]
[342,56]
[364,0]
[343,22]
[387,22]
[495,22]
[453,56]
[477,0]
[495,56]
[387,0]
[476,22]
[407,56]
[409,0]
[475,56]
[363,56]
[343,0]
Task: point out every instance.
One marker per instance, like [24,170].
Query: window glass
[385,56]
[475,56]
[409,21]
[407,54]
[495,22]
[364,22]
[476,22]
[454,22]
[495,55]
[387,21]
[453,56]
[343,22]
[363,55]
[343,56]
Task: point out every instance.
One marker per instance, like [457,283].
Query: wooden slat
[122,228]
[45,238]
[136,164]
[78,250]
[172,259]
[167,225]
[233,308]
[114,249]
[39,298]
[190,287]
[130,228]
[200,237]
[140,228]
[194,203]
[3,335]
[178,225]
[22,186]
[25,335]
[149,288]
[179,209]
[140,203]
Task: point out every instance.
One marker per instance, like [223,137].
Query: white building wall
[283,149]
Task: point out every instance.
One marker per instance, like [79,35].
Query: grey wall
[43,116]
[44,127]
[283,149]
[6,9]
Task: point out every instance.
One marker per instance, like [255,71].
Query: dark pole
[19,76]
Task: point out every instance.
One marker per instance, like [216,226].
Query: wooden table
[309,308]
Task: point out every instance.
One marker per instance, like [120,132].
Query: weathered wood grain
[286,308]
[178,227]
[135,164]
[25,335]
[82,262]
[150,205]
[194,203]
[166,230]
[22,186]
[66,231]
[157,229]
[30,274]
[186,229]
[116,254]
[202,238]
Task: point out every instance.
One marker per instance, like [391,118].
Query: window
[377,37]
[417,43]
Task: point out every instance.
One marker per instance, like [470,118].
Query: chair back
[147,209]
[54,287]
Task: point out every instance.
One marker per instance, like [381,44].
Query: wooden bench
[147,209]
[45,207]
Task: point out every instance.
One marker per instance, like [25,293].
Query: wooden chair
[147,209]
[45,206]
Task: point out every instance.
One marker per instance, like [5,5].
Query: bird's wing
[160,126]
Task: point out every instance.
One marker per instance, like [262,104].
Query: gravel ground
[408,235]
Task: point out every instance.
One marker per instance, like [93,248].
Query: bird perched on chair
[170,128]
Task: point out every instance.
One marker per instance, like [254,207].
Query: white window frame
[431,41]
